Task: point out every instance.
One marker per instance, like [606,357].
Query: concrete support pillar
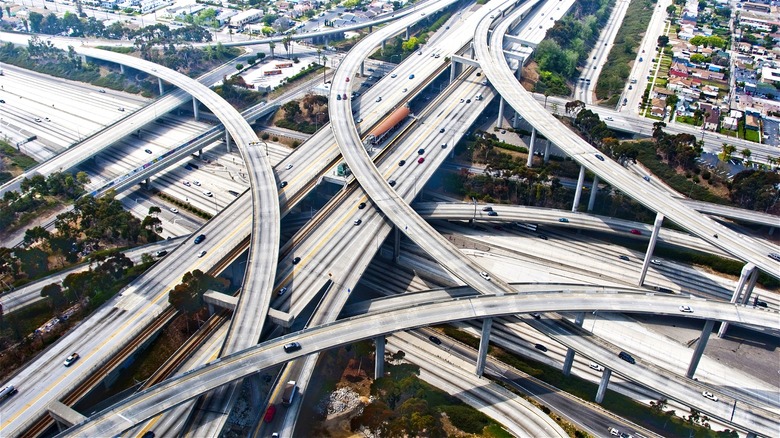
[271,47]
[362,64]
[397,245]
[749,287]
[379,357]
[568,361]
[516,121]
[406,37]
[195,108]
[744,277]
[546,151]
[603,385]
[530,161]
[593,189]
[160,85]
[699,350]
[519,72]
[500,121]
[487,323]
[659,220]
[473,53]
[122,68]
[211,309]
[453,71]
[771,230]
[578,193]
[200,153]
[227,140]
[370,29]
[147,181]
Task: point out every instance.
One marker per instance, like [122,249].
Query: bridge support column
[747,271]
[771,230]
[397,245]
[593,189]
[379,357]
[227,140]
[271,47]
[578,192]
[473,52]
[603,385]
[487,323]
[659,219]
[749,287]
[122,68]
[705,336]
[160,85]
[547,151]
[362,64]
[530,161]
[516,121]
[370,29]
[406,37]
[569,360]
[500,121]
[195,108]
[453,71]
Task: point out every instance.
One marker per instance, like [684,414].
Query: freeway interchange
[392,207]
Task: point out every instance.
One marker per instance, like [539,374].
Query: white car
[201,254]
[288,167]
[207,193]
[656,262]
[485,275]
[686,309]
[393,75]
[174,210]
[196,182]
[709,395]
[595,366]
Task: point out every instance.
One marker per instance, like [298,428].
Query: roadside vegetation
[306,115]
[398,49]
[12,162]
[567,45]
[615,72]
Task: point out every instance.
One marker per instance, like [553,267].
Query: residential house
[711,116]
[658,108]
[752,122]
[731,123]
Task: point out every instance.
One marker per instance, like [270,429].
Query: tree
[239,67]
[671,10]
[663,40]
[746,153]
[726,151]
[35,21]
[410,45]
[54,292]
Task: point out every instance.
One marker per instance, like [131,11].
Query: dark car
[148,151]
[402,162]
[292,346]
[391,182]
[420,160]
[536,315]
[600,158]
[296,260]
[160,253]
[362,205]
[626,357]
[441,130]
[624,258]
[492,213]
[435,340]
[543,237]
[420,151]
[200,238]
[540,347]
[283,184]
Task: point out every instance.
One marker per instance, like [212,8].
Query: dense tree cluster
[187,296]
[755,190]
[72,25]
[38,192]
[679,149]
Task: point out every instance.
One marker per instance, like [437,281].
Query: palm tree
[727,150]
[746,153]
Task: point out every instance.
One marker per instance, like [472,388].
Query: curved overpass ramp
[245,327]
[379,190]
[489,50]
[172,392]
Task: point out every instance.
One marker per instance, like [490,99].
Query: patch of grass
[19,159]
[751,135]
